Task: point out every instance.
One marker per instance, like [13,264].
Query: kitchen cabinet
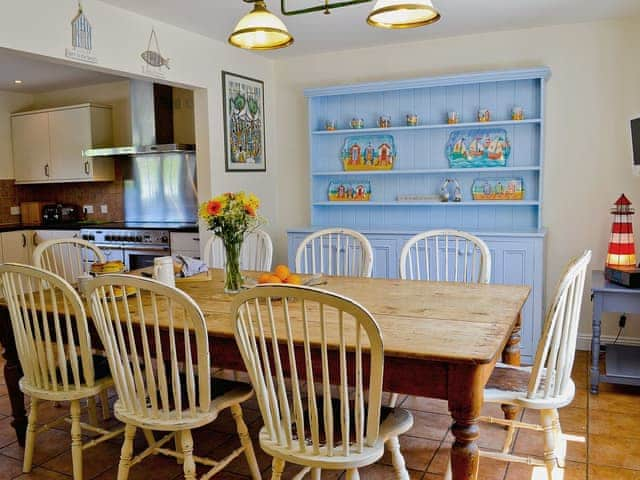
[48,144]
[44,235]
[17,246]
[184,243]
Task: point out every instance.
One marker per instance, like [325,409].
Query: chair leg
[393,400]
[561,442]
[93,411]
[547,420]
[178,441]
[508,441]
[245,441]
[352,474]
[277,467]
[397,459]
[316,473]
[104,403]
[76,440]
[189,466]
[126,452]
[30,440]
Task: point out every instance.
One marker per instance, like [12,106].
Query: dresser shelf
[428,171]
[479,203]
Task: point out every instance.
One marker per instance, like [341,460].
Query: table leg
[465,393]
[12,375]
[595,343]
[511,356]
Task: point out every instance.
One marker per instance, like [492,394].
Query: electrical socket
[87,208]
[15,210]
[104,209]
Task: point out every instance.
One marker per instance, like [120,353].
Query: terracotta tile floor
[603,432]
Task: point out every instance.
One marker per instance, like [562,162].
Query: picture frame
[244,128]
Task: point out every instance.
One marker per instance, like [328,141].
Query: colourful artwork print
[478,148]
[244,123]
[368,152]
[350,192]
[498,189]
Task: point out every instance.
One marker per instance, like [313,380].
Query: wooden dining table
[441,340]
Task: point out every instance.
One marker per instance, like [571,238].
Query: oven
[135,248]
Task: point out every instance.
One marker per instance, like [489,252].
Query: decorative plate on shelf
[350,191]
[368,152]
[498,189]
[475,148]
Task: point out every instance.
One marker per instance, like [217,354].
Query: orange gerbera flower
[214,207]
[250,210]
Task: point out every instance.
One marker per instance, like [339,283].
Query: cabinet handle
[46,170]
[195,239]
[24,240]
[35,239]
[86,167]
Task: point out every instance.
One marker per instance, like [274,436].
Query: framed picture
[244,137]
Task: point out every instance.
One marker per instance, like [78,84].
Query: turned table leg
[594,377]
[12,375]
[511,356]
[465,393]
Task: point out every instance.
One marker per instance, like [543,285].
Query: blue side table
[622,361]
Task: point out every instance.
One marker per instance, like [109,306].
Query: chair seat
[509,384]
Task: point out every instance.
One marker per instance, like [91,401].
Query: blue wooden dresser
[512,228]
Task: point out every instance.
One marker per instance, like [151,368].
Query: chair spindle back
[256,252]
[67,257]
[278,330]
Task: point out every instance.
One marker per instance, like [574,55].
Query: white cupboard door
[70,133]
[31,158]
[16,246]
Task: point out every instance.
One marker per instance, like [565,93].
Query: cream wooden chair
[300,425]
[52,339]
[256,252]
[547,386]
[67,257]
[173,394]
[427,256]
[335,251]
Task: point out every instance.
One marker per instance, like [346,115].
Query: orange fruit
[274,279]
[293,279]
[264,278]
[282,271]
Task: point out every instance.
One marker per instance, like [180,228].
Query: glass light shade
[260,30]
[621,260]
[403,14]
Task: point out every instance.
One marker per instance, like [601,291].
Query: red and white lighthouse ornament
[622,251]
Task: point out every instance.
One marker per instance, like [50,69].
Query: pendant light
[260,30]
[395,14]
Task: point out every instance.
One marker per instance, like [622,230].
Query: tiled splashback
[96,194]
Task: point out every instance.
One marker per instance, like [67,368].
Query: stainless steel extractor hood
[143,127]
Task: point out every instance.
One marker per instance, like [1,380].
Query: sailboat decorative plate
[368,152]
[485,147]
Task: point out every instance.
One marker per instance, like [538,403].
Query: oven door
[142,256]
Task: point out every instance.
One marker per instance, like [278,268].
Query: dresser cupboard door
[30,135]
[385,257]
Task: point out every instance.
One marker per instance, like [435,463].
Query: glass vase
[232,276]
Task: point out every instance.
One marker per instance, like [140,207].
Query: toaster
[55,213]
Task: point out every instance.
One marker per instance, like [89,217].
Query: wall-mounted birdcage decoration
[297,7]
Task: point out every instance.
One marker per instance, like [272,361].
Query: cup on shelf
[517,113]
[163,270]
[330,125]
[357,123]
[484,115]
[384,121]
[453,118]
[412,119]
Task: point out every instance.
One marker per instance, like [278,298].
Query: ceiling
[346,28]
[39,75]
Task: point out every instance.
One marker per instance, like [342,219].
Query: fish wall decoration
[154,57]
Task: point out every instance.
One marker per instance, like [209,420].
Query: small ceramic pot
[517,113]
[357,123]
[484,115]
[384,121]
[453,117]
[330,125]
[412,120]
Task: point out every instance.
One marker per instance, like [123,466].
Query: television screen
[635,141]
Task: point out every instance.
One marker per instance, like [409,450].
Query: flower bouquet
[230,217]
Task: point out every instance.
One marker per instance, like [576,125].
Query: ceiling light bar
[326,7]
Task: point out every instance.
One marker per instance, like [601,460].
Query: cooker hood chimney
[151,123]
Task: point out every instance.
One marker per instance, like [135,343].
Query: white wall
[43,27]
[593,91]
[9,102]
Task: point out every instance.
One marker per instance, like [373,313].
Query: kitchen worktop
[172,226]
